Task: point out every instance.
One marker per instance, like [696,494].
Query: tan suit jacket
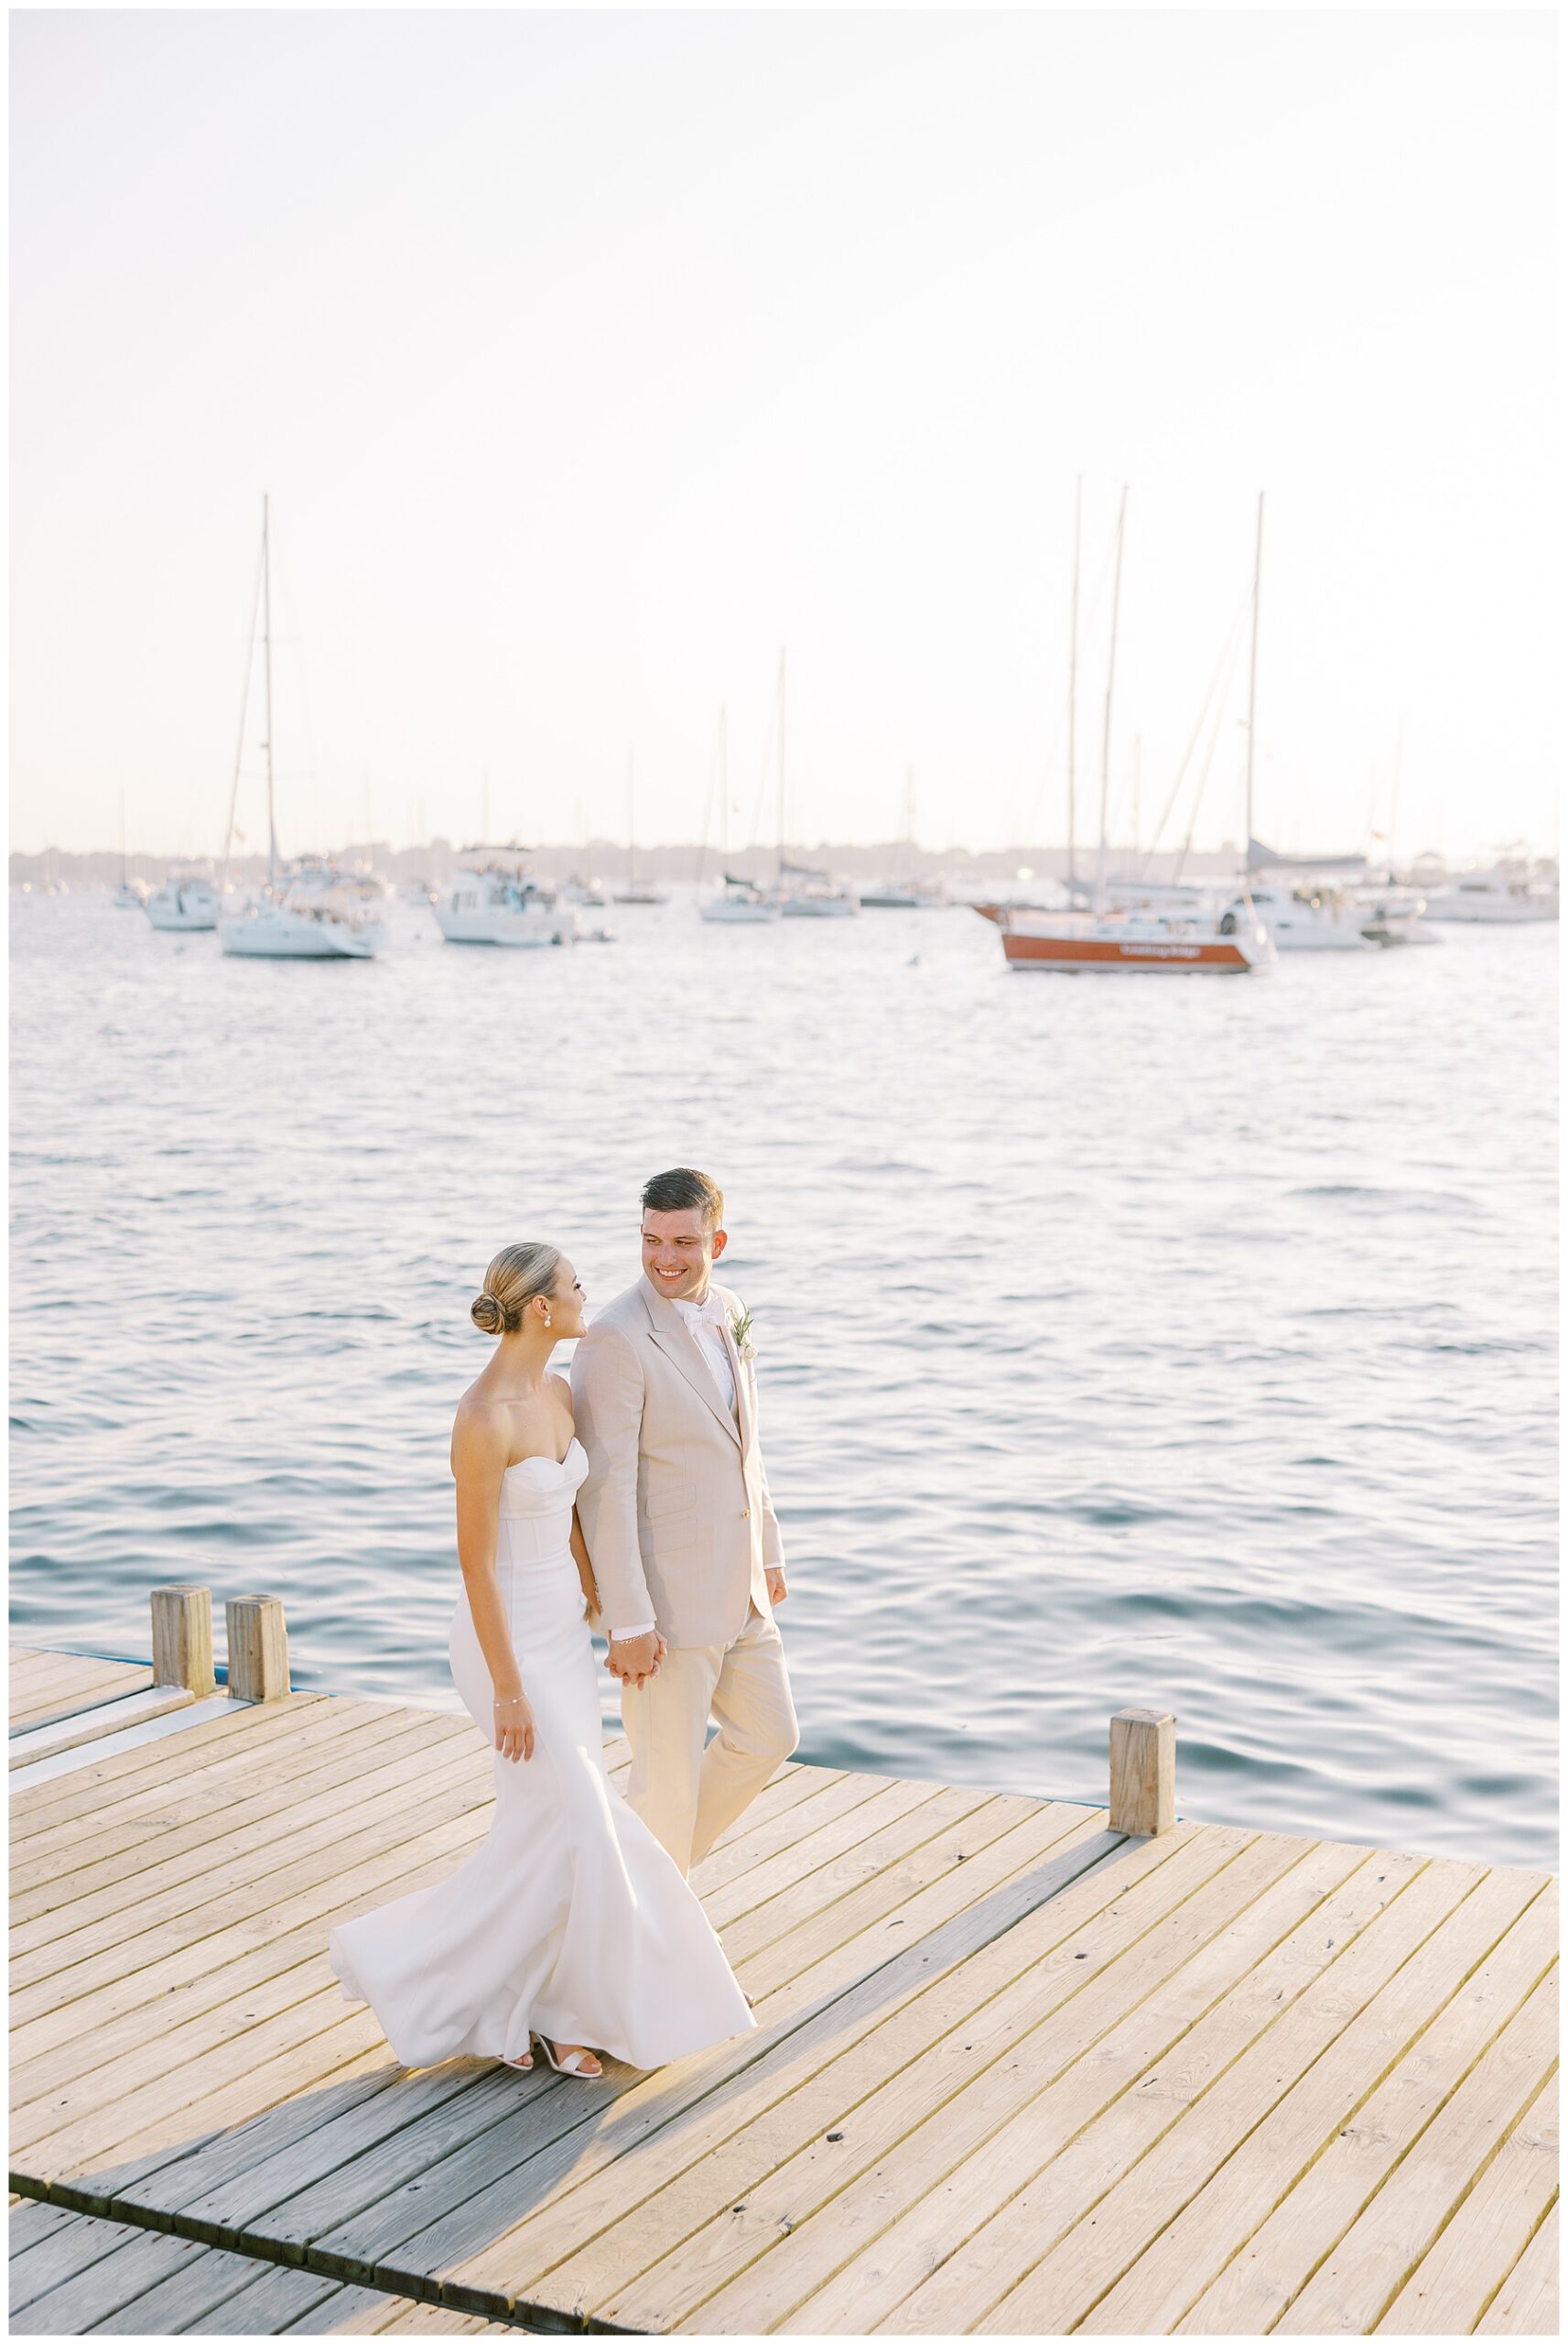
[676,1508]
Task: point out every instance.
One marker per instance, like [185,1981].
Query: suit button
[746,1516]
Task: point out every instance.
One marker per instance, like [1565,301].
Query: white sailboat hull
[821,906]
[727,911]
[275,932]
[496,924]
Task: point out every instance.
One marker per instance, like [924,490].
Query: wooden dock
[1017,2071]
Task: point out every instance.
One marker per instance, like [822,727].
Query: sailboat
[739,903]
[806,893]
[1137,935]
[299,913]
[635,891]
[907,893]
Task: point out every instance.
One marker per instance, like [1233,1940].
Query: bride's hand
[513,1726]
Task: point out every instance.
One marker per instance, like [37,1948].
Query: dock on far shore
[1022,2065]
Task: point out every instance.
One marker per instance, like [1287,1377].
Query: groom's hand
[777,1590]
[636,1658]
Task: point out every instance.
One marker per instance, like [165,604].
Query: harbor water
[1163,1342]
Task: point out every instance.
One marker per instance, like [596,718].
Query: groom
[680,1527]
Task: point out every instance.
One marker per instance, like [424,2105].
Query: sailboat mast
[1252,682]
[1073,690]
[631,816]
[781,783]
[724,788]
[122,838]
[1109,687]
[266,671]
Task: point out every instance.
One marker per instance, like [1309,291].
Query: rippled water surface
[1161,1341]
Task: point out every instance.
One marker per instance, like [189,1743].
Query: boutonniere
[741,1333]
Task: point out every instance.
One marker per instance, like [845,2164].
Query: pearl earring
[547,1319]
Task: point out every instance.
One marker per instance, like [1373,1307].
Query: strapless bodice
[544,1485]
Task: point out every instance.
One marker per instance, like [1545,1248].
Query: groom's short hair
[684,1190]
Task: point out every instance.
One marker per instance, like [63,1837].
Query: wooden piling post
[182,1638]
[258,1647]
[1142,1772]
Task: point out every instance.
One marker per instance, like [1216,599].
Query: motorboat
[494,901]
[1395,916]
[740,904]
[130,895]
[187,902]
[1506,896]
[590,895]
[1301,919]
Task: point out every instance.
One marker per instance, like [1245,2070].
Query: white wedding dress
[570,1920]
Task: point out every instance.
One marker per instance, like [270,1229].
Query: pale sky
[588,358]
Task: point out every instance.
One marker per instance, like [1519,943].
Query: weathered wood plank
[467,2204]
[28,1745]
[1084,2131]
[95,1791]
[1231,2261]
[1351,2290]
[1527,2303]
[234,2195]
[1318,2058]
[106,2286]
[69,1683]
[582,2241]
[1456,2280]
[41,2260]
[821,2207]
[79,1860]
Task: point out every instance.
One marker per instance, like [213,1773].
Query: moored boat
[493,900]
[187,903]
[1075,941]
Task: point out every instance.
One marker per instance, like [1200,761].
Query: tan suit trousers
[686,1792]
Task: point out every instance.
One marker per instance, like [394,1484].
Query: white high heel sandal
[572,2065]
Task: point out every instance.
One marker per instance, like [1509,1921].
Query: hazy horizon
[588,359]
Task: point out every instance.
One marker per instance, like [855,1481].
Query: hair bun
[487,1314]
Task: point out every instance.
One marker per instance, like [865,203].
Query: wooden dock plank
[1350,2291]
[1085,2129]
[30,1744]
[92,2283]
[231,2194]
[367,2244]
[79,1864]
[1331,2178]
[1012,2073]
[1313,2065]
[1456,2280]
[47,1688]
[1526,2304]
[822,2205]
[788,2107]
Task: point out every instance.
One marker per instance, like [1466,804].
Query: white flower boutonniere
[740,1332]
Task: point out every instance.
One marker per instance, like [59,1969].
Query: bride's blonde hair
[517,1273]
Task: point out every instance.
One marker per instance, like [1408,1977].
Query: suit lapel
[674,1338]
[742,1394]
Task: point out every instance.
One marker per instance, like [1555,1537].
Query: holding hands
[634,1659]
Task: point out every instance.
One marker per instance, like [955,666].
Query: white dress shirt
[705,1322]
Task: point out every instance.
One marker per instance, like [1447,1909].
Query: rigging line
[1085,622]
[1221,666]
[713,785]
[763,777]
[245,710]
[1208,759]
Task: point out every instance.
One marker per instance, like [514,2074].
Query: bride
[570,1924]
